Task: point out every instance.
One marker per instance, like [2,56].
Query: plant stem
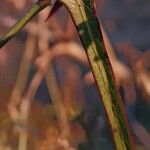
[90,34]
[51,81]
[36,8]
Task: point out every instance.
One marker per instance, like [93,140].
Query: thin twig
[31,27]
[25,108]
[52,84]
[36,8]
[19,87]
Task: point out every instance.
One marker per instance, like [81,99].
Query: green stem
[36,8]
[91,37]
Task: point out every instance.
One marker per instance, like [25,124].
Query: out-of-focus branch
[71,49]
[17,93]
[51,81]
[25,108]
[19,86]
[142,134]
[143,77]
[139,64]
[24,70]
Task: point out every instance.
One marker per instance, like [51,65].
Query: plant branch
[36,8]
[51,81]
[91,36]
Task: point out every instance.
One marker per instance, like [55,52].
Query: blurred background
[48,97]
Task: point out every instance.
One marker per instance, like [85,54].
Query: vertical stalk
[88,27]
[51,81]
